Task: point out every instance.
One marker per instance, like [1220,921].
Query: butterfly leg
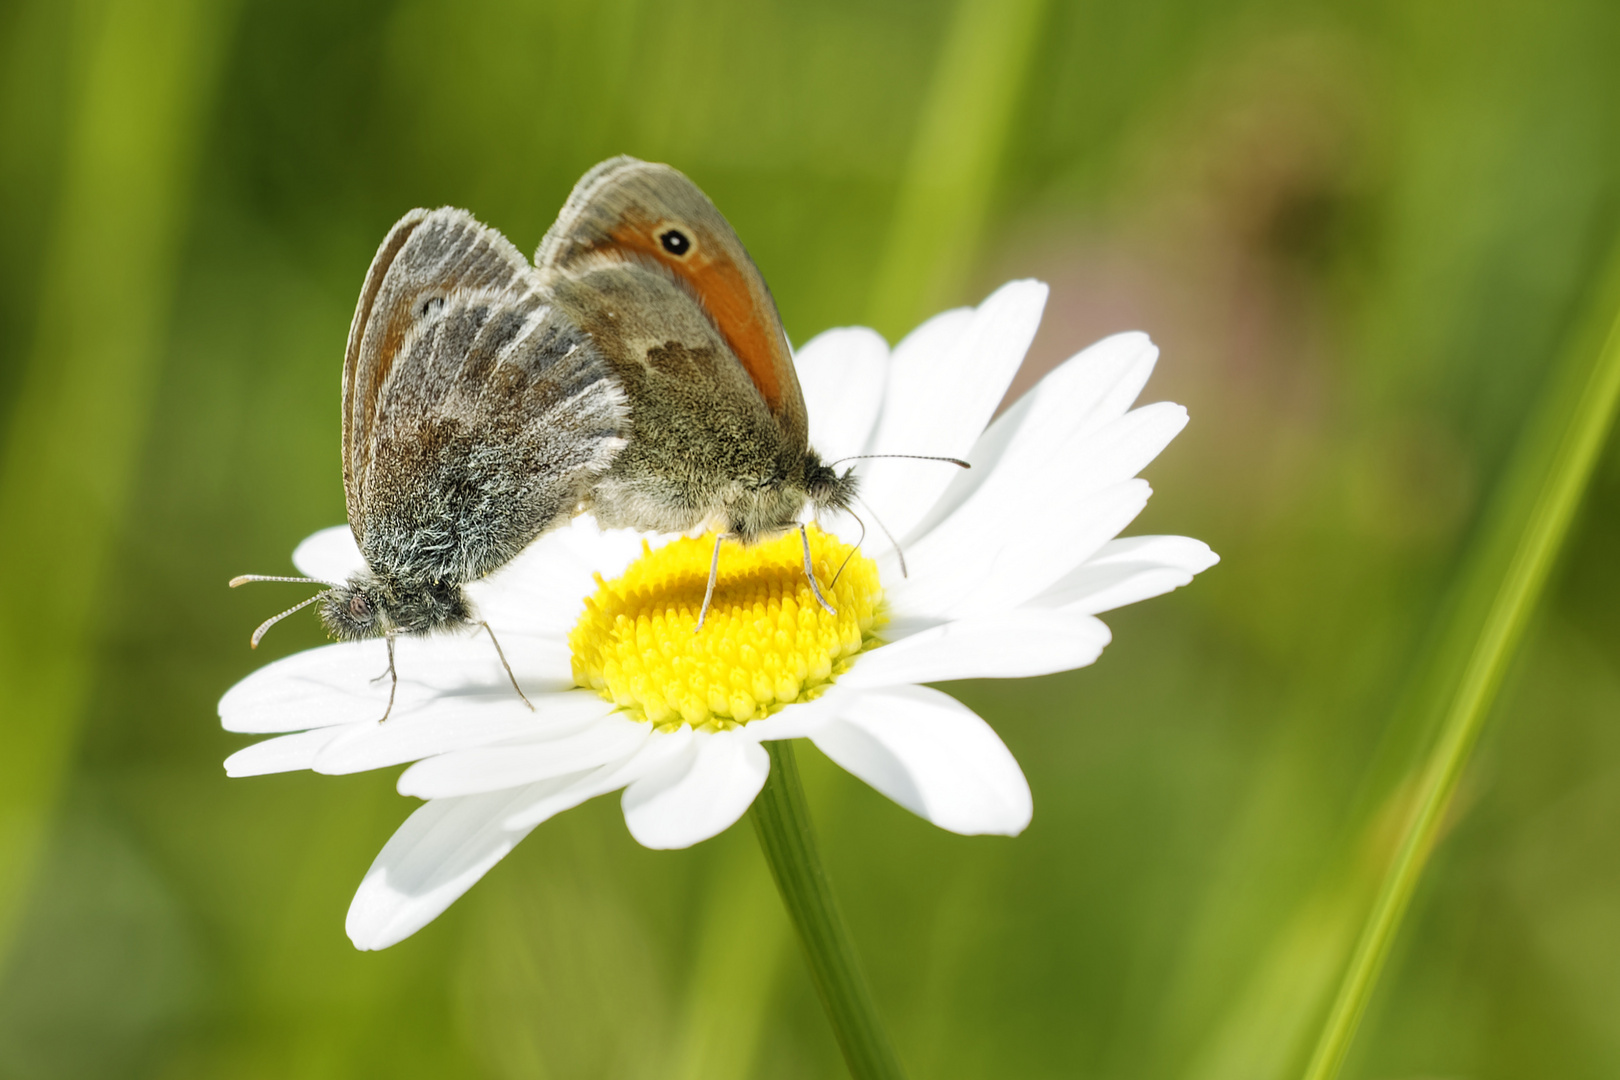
[708,594]
[393,687]
[810,573]
[502,654]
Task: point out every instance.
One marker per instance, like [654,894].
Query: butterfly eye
[430,307]
[675,242]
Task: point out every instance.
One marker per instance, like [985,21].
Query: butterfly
[638,369]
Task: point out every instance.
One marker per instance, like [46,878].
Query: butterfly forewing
[624,209]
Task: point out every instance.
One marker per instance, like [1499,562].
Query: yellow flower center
[765,642]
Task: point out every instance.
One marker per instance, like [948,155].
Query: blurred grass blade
[951,173]
[1504,579]
[81,406]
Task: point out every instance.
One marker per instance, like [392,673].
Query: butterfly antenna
[914,457]
[852,550]
[272,620]
[898,550]
[243,579]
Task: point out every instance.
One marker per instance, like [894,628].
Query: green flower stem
[1504,580]
[782,821]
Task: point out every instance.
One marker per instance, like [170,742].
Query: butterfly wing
[626,211]
[475,417]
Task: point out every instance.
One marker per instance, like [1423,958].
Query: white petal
[842,373]
[1075,486]
[799,720]
[492,768]
[445,675]
[1125,571]
[945,381]
[931,754]
[979,565]
[660,748]
[1080,396]
[1193,556]
[414,736]
[1071,470]
[699,794]
[1092,460]
[284,753]
[434,857]
[315,688]
[543,589]
[1008,645]
[1087,391]
[329,555]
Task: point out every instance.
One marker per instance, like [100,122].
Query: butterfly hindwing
[475,416]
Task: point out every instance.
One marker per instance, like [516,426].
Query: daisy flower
[1006,568]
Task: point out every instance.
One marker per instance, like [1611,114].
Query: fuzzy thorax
[765,642]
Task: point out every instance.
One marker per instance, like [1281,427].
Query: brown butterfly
[639,371]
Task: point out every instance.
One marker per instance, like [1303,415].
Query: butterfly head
[369,606]
[826,488]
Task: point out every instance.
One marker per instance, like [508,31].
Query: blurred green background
[1362,234]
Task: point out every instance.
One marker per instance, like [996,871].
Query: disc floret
[765,642]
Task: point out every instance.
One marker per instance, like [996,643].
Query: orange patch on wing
[724,292]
